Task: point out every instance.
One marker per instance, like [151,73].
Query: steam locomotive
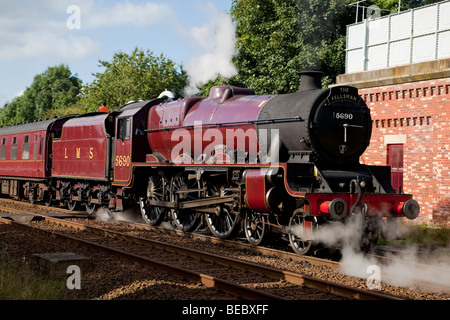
[230,162]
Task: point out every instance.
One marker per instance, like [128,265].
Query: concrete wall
[411,36]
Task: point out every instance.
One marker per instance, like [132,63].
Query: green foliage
[56,92]
[392,5]
[277,39]
[420,235]
[424,235]
[140,75]
[19,282]
[56,88]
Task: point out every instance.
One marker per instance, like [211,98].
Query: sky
[37,34]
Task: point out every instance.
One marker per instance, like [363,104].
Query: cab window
[123,128]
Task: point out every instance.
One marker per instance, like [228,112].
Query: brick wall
[417,115]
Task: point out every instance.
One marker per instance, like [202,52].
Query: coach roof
[27,127]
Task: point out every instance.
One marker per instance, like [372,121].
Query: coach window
[41,145]
[123,129]
[3,149]
[26,148]
[14,148]
[35,146]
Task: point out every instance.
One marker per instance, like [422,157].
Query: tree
[392,5]
[277,39]
[56,88]
[140,75]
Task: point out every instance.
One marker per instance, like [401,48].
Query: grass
[19,282]
[422,235]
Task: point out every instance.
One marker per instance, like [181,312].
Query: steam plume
[407,268]
[217,38]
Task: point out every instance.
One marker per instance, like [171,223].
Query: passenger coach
[25,158]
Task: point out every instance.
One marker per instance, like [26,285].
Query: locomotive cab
[130,141]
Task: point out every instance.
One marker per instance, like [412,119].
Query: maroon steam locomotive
[233,161]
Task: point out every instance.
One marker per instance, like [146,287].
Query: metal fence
[417,35]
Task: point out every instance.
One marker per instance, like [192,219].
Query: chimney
[310,80]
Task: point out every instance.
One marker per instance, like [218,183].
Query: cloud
[35,29]
[20,93]
[127,14]
[42,29]
[41,44]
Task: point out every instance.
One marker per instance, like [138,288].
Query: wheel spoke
[298,244]
[222,225]
[153,215]
[255,228]
[185,220]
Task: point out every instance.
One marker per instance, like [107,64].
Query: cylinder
[261,195]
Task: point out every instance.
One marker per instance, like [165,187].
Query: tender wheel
[154,215]
[254,228]
[30,193]
[49,199]
[185,220]
[296,227]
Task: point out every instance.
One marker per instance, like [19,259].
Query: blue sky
[37,34]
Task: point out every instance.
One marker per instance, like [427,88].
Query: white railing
[417,35]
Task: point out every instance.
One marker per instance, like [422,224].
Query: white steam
[129,215]
[217,39]
[345,234]
[405,268]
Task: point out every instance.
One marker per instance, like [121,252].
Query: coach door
[122,155]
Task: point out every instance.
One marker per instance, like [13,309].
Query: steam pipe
[358,200]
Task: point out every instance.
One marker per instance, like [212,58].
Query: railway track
[247,280]
[263,251]
[266,251]
[384,259]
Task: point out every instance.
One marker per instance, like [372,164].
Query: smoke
[132,215]
[407,267]
[345,234]
[217,39]
[129,215]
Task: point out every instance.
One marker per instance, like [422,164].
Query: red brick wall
[416,114]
